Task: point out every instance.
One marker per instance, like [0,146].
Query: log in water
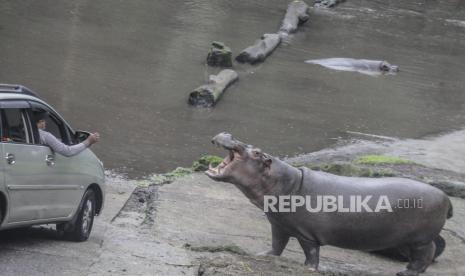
[260,50]
[296,14]
[327,3]
[207,95]
[219,55]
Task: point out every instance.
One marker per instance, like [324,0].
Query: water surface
[125,68]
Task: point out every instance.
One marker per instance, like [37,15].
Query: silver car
[38,186]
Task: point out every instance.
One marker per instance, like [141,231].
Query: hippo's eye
[256,152]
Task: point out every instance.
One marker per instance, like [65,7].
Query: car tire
[82,228]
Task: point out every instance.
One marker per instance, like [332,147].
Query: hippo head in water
[386,67]
[254,172]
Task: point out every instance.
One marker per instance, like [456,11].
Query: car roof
[17,91]
[20,92]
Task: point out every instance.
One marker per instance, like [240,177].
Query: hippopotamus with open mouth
[364,66]
[265,179]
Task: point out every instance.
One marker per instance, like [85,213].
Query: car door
[39,187]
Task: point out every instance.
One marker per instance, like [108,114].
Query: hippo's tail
[450,212]
[440,246]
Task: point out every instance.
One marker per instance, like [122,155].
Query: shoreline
[357,144]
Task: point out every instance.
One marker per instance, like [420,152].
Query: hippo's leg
[279,240]
[312,253]
[421,257]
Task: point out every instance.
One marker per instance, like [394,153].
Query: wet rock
[230,248]
[253,265]
[296,14]
[207,95]
[451,188]
[260,50]
[139,209]
[201,270]
[327,3]
[219,55]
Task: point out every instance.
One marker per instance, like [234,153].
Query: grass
[204,161]
[165,178]
[178,172]
[382,160]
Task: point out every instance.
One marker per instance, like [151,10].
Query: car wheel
[84,221]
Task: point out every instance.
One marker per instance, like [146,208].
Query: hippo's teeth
[210,167]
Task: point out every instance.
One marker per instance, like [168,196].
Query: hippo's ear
[267,162]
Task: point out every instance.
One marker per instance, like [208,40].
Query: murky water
[125,68]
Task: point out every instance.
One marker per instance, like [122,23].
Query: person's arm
[68,151]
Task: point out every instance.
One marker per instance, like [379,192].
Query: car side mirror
[81,135]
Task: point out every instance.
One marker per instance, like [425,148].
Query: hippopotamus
[364,66]
[263,179]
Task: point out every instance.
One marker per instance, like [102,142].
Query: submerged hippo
[266,180]
[364,66]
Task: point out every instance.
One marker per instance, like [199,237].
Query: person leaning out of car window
[46,138]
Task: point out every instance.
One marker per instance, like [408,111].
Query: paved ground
[39,251]
[149,237]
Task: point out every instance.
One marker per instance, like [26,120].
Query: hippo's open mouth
[219,170]
[225,141]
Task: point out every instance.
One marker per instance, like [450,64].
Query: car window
[53,124]
[54,127]
[14,126]
[73,140]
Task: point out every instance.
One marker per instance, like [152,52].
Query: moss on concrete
[382,160]
[231,248]
[165,178]
[179,171]
[204,161]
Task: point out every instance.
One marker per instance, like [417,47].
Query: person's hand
[93,138]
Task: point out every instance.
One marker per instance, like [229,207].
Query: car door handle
[10,158]
[50,160]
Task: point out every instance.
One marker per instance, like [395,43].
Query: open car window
[54,124]
[54,127]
